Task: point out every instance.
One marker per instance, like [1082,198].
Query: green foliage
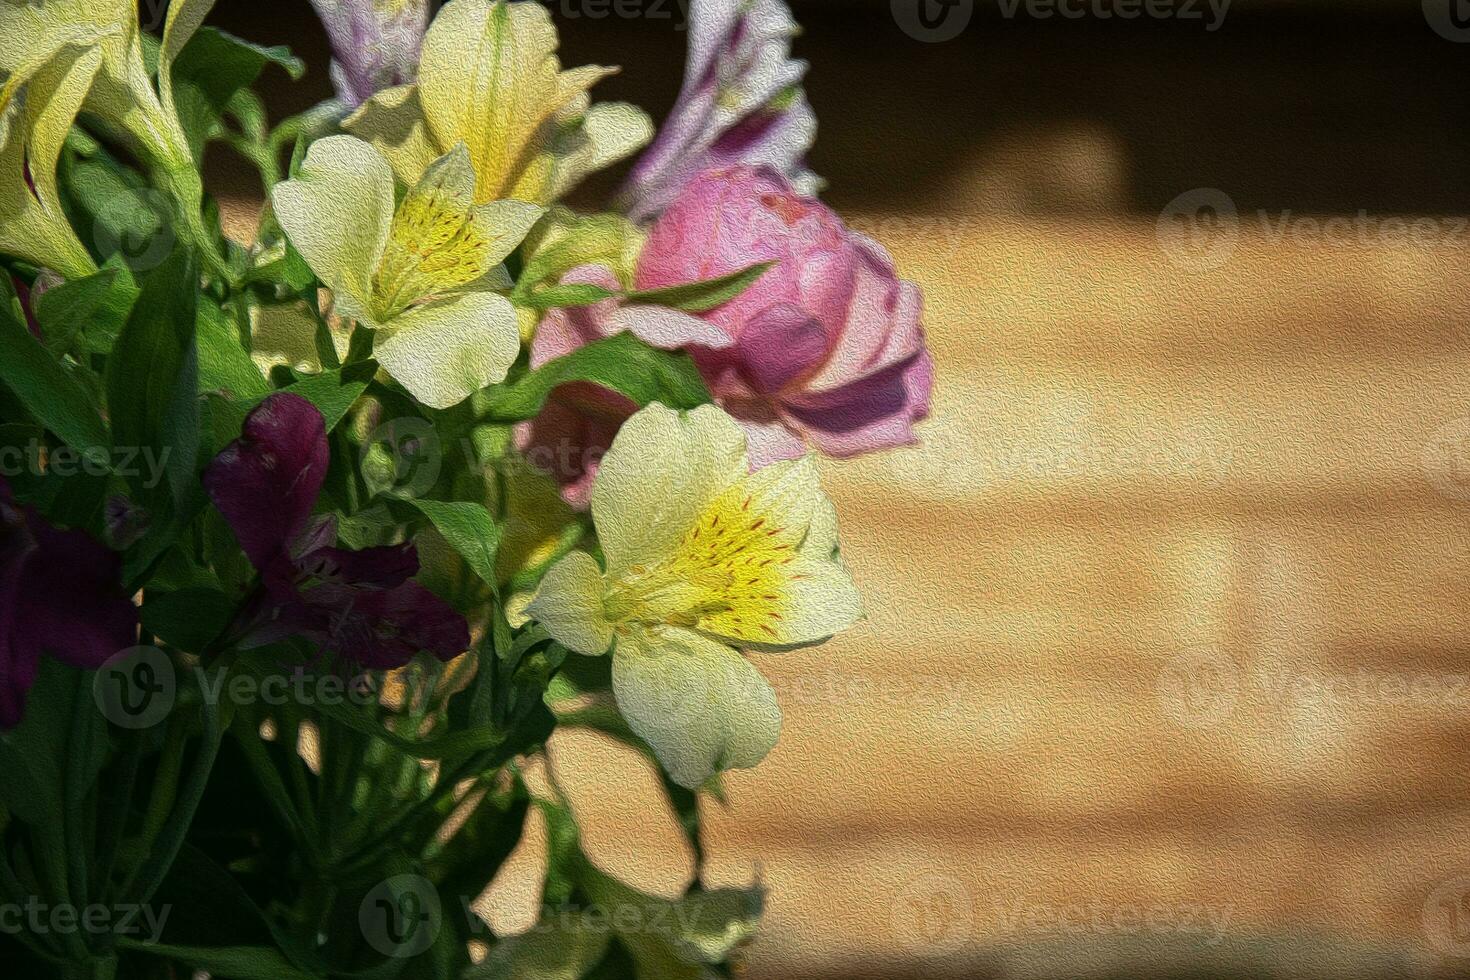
[622,363]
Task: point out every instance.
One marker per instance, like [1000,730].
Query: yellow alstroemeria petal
[490,76]
[609,132]
[393,121]
[569,604]
[753,583]
[32,35]
[185,17]
[699,705]
[487,77]
[33,225]
[440,242]
[445,351]
[337,213]
[662,471]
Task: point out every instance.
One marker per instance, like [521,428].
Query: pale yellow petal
[185,17]
[445,351]
[662,471]
[488,76]
[337,213]
[569,604]
[699,705]
[393,122]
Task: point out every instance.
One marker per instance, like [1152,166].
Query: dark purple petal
[383,629]
[383,567]
[60,594]
[266,482]
[17,665]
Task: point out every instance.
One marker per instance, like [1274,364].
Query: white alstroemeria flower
[489,77]
[421,274]
[702,557]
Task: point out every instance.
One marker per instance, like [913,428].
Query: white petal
[701,707]
[662,471]
[337,213]
[569,605]
[445,351]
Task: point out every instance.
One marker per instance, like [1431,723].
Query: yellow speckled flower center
[434,247]
[727,575]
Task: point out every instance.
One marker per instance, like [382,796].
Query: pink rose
[828,345]
[825,350]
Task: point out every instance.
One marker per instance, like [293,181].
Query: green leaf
[622,363]
[224,365]
[469,529]
[188,619]
[152,376]
[125,220]
[93,308]
[701,297]
[572,294]
[50,391]
[212,68]
[237,963]
[335,392]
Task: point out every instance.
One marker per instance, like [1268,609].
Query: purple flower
[359,605]
[61,595]
[741,104]
[375,44]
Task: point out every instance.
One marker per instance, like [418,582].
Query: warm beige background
[1168,656]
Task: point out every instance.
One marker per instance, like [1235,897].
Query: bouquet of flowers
[308,543]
